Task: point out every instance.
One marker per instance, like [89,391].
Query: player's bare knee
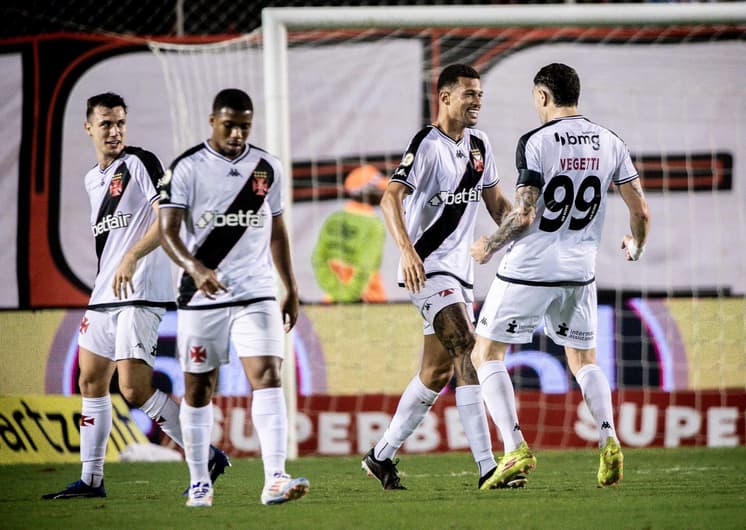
[266,377]
[93,385]
[436,377]
[198,396]
[136,395]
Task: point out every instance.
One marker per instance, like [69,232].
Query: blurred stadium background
[672,327]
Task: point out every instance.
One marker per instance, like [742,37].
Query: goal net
[338,95]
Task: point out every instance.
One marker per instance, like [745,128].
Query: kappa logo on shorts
[87,420]
[483,321]
[84,325]
[198,354]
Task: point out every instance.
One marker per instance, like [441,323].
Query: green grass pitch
[662,488]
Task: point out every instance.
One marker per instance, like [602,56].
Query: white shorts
[128,332]
[441,291]
[511,312]
[203,336]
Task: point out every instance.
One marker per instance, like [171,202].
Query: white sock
[414,403]
[95,428]
[471,411]
[498,395]
[165,412]
[196,427]
[270,418]
[597,395]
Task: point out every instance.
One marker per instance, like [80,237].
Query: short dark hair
[232,98]
[562,81]
[450,74]
[107,99]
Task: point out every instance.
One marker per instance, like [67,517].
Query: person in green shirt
[348,253]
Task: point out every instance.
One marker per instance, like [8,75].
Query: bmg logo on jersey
[579,139]
[110,222]
[248,219]
[459,197]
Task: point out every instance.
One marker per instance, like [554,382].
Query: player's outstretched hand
[480,252]
[122,282]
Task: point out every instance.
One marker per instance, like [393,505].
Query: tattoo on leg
[457,336]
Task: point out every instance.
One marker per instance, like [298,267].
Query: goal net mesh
[672,327]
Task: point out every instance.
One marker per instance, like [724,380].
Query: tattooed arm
[639,219]
[513,224]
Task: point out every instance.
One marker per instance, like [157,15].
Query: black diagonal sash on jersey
[222,239]
[109,205]
[434,236]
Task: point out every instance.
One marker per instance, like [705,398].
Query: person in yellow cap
[348,253]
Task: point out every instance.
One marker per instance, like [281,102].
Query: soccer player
[430,207]
[119,331]
[348,254]
[226,194]
[547,275]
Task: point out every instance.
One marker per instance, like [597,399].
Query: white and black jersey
[121,198]
[573,161]
[228,210]
[446,178]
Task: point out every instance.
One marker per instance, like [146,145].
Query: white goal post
[278,22]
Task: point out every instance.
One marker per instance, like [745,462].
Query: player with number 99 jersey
[573,161]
